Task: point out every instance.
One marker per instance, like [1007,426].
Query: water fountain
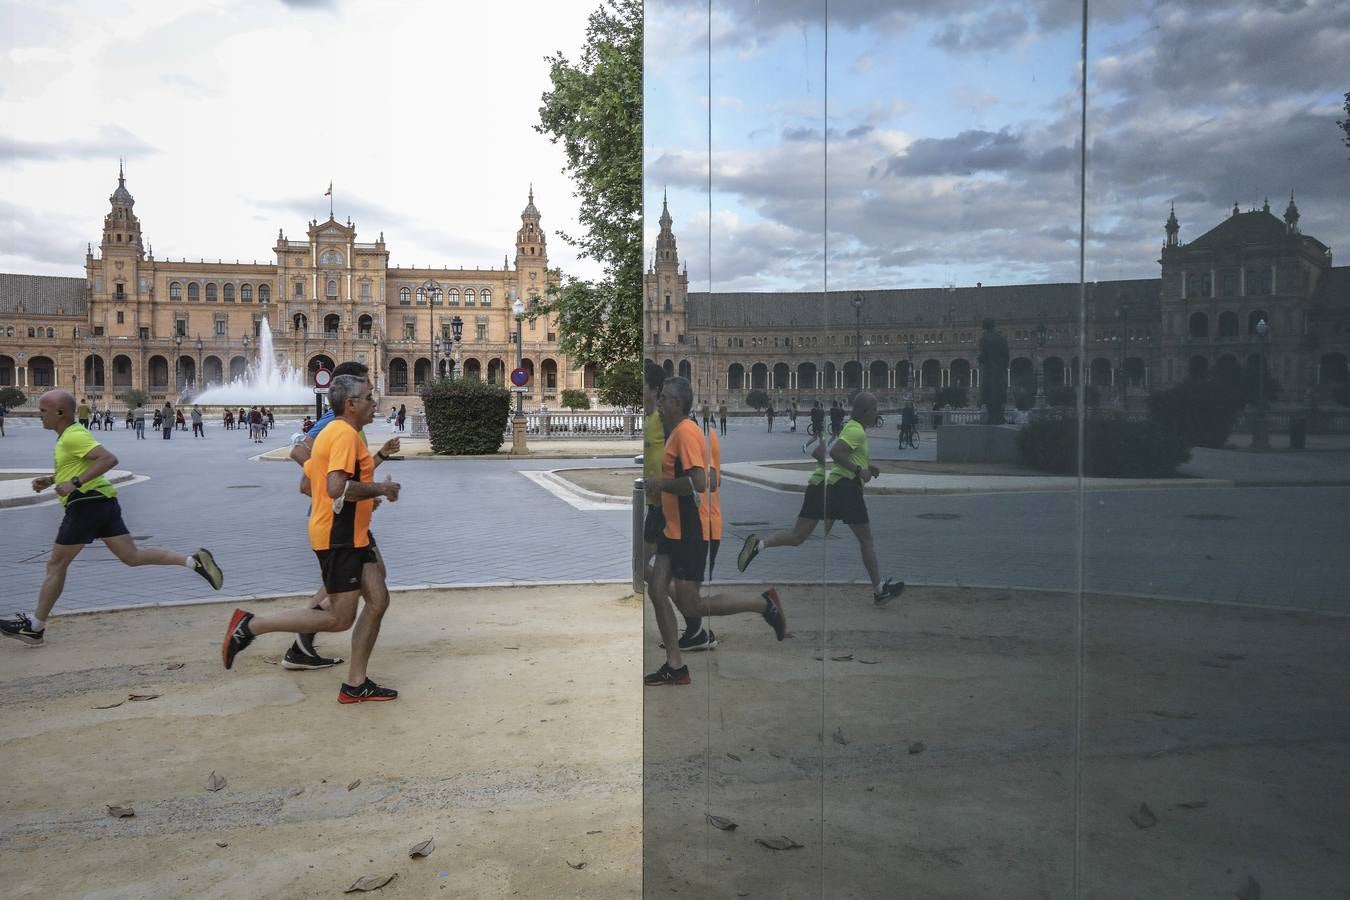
[264,381]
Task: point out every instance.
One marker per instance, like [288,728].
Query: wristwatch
[77,482]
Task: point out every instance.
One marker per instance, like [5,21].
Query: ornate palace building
[135,321]
[1201,314]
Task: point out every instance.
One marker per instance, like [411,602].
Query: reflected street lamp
[1124,315]
[178,363]
[199,373]
[1260,437]
[1040,365]
[857,334]
[518,423]
[909,376]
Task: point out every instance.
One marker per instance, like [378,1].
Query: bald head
[59,400]
[864,402]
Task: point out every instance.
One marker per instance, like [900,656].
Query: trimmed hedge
[1067,396]
[466,416]
[1200,410]
[955,396]
[1116,447]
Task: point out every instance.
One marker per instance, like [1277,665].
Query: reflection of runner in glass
[682,553]
[838,496]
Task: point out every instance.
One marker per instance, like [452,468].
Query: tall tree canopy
[595,112]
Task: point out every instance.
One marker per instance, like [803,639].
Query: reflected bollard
[639,503]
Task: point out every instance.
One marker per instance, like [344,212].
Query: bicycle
[909,437]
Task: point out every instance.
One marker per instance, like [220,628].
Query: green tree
[758,399]
[575,399]
[595,112]
[135,397]
[621,384]
[1345,123]
[12,396]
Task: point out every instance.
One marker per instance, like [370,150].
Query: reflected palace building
[134,321]
[1200,315]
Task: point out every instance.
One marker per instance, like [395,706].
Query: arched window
[330,324]
[421,296]
[437,296]
[300,322]
[30,331]
[1198,326]
[211,292]
[363,325]
[453,296]
[175,291]
[404,296]
[468,296]
[485,297]
[332,289]
[245,293]
[264,293]
[51,332]
[330,258]
[229,293]
[194,293]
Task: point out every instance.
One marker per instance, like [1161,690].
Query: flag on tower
[329,192]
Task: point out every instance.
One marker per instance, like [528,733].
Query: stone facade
[135,321]
[1142,334]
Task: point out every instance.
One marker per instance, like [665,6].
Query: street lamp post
[1124,314]
[909,376]
[1260,436]
[518,423]
[857,335]
[200,374]
[457,332]
[178,363]
[1040,365]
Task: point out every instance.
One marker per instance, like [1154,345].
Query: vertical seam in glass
[824,297]
[1078,704]
[707,741]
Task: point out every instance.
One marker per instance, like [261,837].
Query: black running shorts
[844,502]
[341,567]
[90,517]
[813,504]
[655,524]
[688,558]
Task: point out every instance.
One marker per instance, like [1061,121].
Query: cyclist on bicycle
[908,420]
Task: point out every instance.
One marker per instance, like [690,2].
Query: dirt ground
[617,482]
[516,754]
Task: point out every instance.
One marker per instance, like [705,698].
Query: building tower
[119,291]
[1172,228]
[531,255]
[667,290]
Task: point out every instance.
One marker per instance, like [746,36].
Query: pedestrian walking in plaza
[166,420]
[707,416]
[792,416]
[271,419]
[692,524]
[838,497]
[82,413]
[402,415]
[3,410]
[769,414]
[197,427]
[241,422]
[138,421]
[341,472]
[722,416]
[255,425]
[92,513]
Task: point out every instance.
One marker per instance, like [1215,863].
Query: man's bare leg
[54,582]
[658,590]
[869,554]
[367,629]
[794,538]
[339,616]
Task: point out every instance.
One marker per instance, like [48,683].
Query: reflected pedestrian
[166,419]
[198,429]
[403,415]
[138,421]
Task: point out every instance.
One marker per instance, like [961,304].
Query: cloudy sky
[939,143]
[234,115]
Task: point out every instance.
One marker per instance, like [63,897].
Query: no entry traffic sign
[322,378]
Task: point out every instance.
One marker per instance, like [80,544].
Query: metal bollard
[638,557]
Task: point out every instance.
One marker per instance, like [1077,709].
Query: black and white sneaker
[889,591]
[207,568]
[364,692]
[297,659]
[703,639]
[21,628]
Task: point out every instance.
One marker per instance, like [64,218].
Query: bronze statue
[993,361]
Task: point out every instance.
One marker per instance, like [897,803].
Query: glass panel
[1215,628]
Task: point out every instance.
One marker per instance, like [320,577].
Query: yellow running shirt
[71,448]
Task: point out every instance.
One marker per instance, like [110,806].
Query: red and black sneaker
[773,613]
[667,675]
[367,690]
[237,637]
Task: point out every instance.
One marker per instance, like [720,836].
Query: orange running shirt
[684,453]
[712,525]
[339,448]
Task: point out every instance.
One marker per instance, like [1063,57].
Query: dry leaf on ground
[916,747]
[734,756]
[580,865]
[137,698]
[1194,804]
[779,843]
[1143,817]
[839,736]
[354,785]
[111,705]
[222,843]
[215,782]
[721,823]
[171,666]
[370,883]
[422,849]
[121,812]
